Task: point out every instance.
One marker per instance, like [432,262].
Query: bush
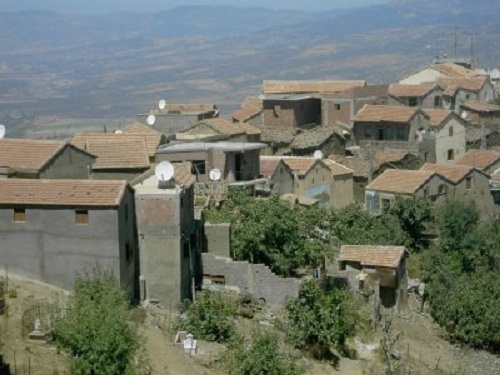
[209,317]
[94,330]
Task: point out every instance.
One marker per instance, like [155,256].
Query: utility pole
[456,41]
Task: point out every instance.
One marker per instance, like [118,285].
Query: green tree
[95,330]
[317,321]
[209,316]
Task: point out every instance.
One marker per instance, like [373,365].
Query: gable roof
[337,169]
[29,153]
[390,156]
[437,116]
[400,181]
[453,70]
[151,141]
[377,256]
[478,107]
[495,176]
[314,137]
[182,174]
[138,128]
[101,193]
[481,159]
[278,135]
[454,173]
[451,85]
[245,113]
[299,166]
[406,91]
[387,113]
[312,86]
[269,165]
[221,125]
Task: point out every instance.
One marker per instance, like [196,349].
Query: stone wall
[256,279]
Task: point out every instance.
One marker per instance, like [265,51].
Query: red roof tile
[437,116]
[454,173]
[27,153]
[405,91]
[375,256]
[298,87]
[245,113]
[268,166]
[389,113]
[481,159]
[335,168]
[477,106]
[400,181]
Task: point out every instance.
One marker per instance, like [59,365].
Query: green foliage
[463,278]
[209,317]
[261,356]
[95,331]
[317,321]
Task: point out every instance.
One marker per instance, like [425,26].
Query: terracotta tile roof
[477,106]
[481,159]
[405,91]
[182,174]
[118,153]
[390,156]
[300,87]
[454,173]
[388,113]
[222,126]
[359,166]
[268,166]
[189,107]
[451,90]
[138,128]
[496,175]
[151,141]
[376,256]
[400,181]
[454,70]
[245,113]
[299,166]
[437,116]
[27,153]
[470,84]
[278,135]
[62,192]
[314,137]
[336,168]
[253,101]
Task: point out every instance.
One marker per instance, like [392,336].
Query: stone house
[278,140]
[483,119]
[26,158]
[279,177]
[467,183]
[51,229]
[291,111]
[431,73]
[487,161]
[176,117]
[169,237]
[477,137]
[376,270]
[425,95]
[327,139]
[381,192]
[447,136]
[238,162]
[220,129]
[459,90]
[119,156]
[342,186]
[383,127]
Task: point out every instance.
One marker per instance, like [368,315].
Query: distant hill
[115,66]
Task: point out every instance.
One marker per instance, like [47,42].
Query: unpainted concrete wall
[218,239]
[69,164]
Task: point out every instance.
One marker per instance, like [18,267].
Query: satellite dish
[161,104]
[151,120]
[118,131]
[164,171]
[464,114]
[318,155]
[2,131]
[215,174]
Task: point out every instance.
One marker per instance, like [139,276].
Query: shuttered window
[19,215]
[81,217]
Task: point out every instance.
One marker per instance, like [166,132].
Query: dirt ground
[420,343]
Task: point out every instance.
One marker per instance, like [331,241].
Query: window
[451,154]
[450,131]
[216,279]
[337,107]
[368,132]
[126,212]
[81,217]
[437,101]
[426,191]
[390,134]
[198,167]
[468,183]
[467,96]
[442,189]
[128,253]
[19,215]
[401,133]
[412,102]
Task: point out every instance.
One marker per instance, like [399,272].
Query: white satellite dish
[318,155]
[118,131]
[151,120]
[464,114]
[161,104]
[2,131]
[215,174]
[164,171]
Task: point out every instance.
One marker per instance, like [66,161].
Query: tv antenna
[2,131]
[215,174]
[161,104]
[151,120]
[318,155]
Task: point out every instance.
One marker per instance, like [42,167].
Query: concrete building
[176,117]
[238,162]
[382,191]
[51,229]
[447,137]
[487,161]
[484,117]
[327,139]
[219,129]
[459,90]
[291,111]
[169,237]
[425,96]
[377,271]
[279,178]
[26,158]
[342,185]
[119,156]
[248,115]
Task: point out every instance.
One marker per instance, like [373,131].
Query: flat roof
[205,146]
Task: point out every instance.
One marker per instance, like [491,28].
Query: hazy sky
[106,6]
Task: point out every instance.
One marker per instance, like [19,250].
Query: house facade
[459,90]
[425,96]
[279,177]
[291,111]
[431,73]
[52,229]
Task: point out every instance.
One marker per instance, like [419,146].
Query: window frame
[19,215]
[81,217]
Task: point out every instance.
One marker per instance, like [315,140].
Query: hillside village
[138,199]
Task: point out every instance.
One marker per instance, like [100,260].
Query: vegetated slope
[120,64]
